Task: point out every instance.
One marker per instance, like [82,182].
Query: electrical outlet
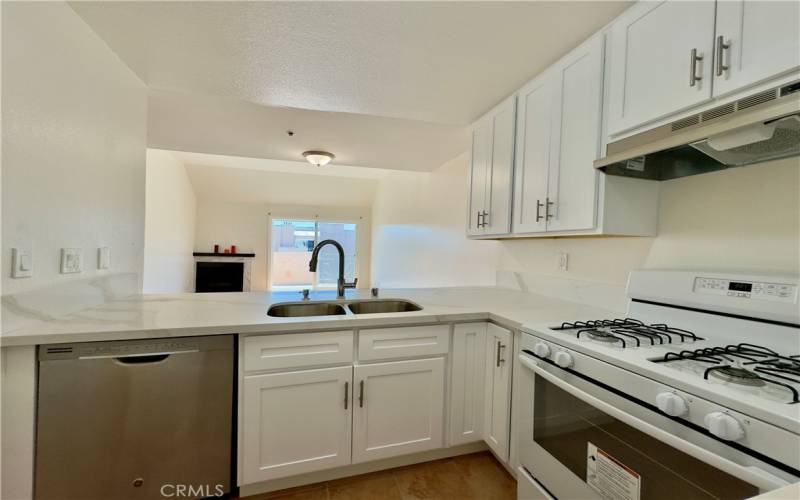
[563,261]
[21,263]
[71,260]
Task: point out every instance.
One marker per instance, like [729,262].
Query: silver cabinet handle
[721,47]
[485,217]
[361,394]
[346,393]
[693,78]
[499,350]
[539,205]
[480,216]
[547,214]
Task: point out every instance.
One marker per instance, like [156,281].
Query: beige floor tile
[375,486]
[486,478]
[437,480]
[318,491]
[469,477]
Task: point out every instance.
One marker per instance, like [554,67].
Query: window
[292,244]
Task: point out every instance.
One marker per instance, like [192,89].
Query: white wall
[73,175]
[244,185]
[169,225]
[247,225]
[742,219]
[419,231]
[73,160]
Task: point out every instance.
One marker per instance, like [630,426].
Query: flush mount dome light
[318,158]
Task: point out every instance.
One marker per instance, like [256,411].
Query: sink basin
[383,306]
[306,309]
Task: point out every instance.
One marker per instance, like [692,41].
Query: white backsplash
[26,308]
[603,295]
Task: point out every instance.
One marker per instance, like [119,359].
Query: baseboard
[356,469]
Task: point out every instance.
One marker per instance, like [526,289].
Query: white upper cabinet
[756,40]
[534,131]
[572,181]
[479,173]
[558,139]
[661,61]
[491,171]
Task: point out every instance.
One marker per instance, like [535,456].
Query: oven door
[581,440]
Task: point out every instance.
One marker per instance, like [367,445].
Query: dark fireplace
[219,277]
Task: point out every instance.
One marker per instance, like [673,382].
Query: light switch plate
[71,260]
[103,258]
[21,263]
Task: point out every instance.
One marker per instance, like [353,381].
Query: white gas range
[694,394]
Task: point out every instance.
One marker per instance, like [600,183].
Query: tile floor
[469,477]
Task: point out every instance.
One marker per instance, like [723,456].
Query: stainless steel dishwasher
[135,419]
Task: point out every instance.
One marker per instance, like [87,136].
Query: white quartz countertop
[188,314]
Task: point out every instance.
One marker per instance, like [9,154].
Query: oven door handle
[753,475]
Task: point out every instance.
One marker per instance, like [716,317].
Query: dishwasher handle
[141,360]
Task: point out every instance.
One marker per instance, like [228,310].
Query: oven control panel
[779,292]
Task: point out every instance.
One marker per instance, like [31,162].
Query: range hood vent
[761,127]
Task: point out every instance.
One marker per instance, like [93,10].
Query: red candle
[216,248]
[233,248]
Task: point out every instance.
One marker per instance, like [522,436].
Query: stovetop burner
[628,332]
[602,336]
[737,376]
[745,364]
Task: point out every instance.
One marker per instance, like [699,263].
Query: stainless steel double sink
[323,308]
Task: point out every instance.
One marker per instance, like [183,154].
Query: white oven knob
[671,404]
[724,426]
[563,359]
[541,349]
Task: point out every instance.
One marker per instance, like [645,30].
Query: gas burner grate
[754,365]
[628,331]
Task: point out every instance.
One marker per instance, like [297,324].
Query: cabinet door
[497,395]
[296,422]
[479,174]
[467,376]
[534,127]
[399,408]
[763,39]
[572,180]
[651,63]
[498,204]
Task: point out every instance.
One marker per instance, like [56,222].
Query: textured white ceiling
[288,167]
[222,126]
[445,62]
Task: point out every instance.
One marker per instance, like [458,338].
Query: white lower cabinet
[296,422]
[466,387]
[398,408]
[303,419]
[497,393]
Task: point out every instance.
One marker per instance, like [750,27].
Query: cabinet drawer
[388,343]
[294,350]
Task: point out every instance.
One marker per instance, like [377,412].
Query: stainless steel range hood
[764,126]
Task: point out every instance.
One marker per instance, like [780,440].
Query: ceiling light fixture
[318,158]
